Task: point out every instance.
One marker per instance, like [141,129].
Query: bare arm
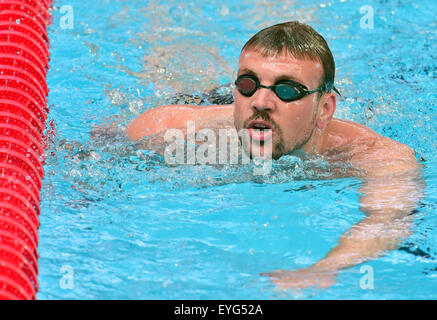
[158,120]
[390,192]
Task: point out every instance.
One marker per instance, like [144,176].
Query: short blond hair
[300,40]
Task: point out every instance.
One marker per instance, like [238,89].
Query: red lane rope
[24,56]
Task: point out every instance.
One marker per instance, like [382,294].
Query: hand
[303,278]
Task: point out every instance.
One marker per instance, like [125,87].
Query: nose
[264,100]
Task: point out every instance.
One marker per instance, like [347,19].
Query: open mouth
[260,130]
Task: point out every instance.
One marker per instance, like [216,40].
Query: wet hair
[298,39]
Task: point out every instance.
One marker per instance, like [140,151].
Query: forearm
[160,119]
[368,239]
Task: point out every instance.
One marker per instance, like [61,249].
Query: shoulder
[351,129]
[360,144]
[344,133]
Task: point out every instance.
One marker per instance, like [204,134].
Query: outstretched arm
[156,121]
[390,192]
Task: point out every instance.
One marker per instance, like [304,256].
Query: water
[116,223]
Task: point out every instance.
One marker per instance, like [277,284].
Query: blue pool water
[117,223]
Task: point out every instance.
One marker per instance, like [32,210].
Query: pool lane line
[24,62]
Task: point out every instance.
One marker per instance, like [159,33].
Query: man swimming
[284,96]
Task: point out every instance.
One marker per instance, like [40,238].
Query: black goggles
[286,90]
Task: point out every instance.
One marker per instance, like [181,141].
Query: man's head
[281,56]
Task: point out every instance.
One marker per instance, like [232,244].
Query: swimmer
[285,93]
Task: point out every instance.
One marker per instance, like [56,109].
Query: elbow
[133,131]
[150,122]
[140,127]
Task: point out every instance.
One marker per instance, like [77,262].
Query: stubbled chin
[260,149]
[261,136]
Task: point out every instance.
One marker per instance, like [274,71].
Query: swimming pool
[116,223]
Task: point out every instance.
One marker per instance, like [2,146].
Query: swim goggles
[286,90]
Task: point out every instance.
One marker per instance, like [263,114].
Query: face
[274,126]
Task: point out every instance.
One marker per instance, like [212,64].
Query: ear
[327,105]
